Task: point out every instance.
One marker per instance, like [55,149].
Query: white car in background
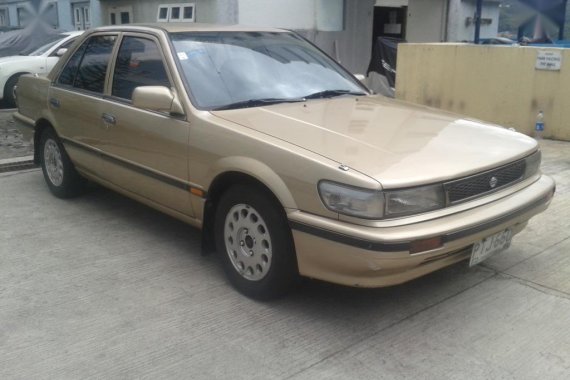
[40,61]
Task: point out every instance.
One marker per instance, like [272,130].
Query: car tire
[9,99]
[59,173]
[255,244]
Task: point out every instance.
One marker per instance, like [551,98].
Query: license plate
[489,246]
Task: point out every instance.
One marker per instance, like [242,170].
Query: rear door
[149,149]
[75,100]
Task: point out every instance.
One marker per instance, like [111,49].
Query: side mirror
[157,98]
[61,52]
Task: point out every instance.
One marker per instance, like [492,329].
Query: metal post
[563,21]
[478,20]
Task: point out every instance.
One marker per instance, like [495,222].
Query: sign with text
[549,60]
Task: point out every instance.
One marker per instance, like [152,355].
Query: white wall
[207,11]
[425,20]
[392,3]
[352,46]
[290,14]
[324,15]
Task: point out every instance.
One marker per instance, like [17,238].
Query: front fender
[255,169]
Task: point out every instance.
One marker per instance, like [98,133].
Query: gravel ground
[16,139]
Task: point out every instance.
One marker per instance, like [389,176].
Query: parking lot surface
[103,287]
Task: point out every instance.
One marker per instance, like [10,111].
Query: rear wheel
[9,96]
[255,244]
[59,173]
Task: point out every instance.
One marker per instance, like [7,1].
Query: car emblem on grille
[493,182]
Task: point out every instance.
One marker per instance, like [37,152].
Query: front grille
[481,184]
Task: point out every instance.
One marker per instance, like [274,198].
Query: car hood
[396,143]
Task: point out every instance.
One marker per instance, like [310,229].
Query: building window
[163,14]
[125,18]
[4,17]
[23,16]
[184,12]
[87,15]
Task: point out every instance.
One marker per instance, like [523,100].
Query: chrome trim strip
[136,168]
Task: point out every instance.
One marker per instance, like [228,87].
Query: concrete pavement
[16,143]
[103,287]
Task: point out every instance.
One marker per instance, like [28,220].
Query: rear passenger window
[139,63]
[93,67]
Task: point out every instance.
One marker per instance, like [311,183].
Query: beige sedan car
[285,161]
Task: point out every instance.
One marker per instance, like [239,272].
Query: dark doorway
[389,22]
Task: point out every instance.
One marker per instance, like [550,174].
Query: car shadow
[341,306]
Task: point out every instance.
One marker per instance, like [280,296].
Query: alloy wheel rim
[247,242]
[53,162]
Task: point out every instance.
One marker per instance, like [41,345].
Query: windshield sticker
[196,53]
[182,56]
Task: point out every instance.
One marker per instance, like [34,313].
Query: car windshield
[46,47]
[246,69]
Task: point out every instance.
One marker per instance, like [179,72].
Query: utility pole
[563,21]
[478,12]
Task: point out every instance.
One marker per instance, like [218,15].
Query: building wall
[292,14]
[426,20]
[65,16]
[391,3]
[492,83]
[207,11]
[343,29]
[352,47]
[459,10]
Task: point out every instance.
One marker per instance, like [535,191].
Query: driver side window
[139,63]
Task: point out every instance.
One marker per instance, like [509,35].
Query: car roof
[188,27]
[73,33]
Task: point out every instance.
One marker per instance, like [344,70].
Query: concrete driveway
[102,287]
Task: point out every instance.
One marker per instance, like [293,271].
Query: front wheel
[254,241]
[59,173]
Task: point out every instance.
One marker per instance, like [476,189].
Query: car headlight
[414,201]
[353,201]
[373,204]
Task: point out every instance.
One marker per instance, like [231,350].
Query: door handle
[54,102]
[109,119]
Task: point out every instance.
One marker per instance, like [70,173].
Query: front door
[120,15]
[149,149]
[81,16]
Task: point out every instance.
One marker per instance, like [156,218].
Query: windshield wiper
[333,93]
[257,103]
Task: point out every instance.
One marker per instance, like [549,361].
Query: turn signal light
[197,192]
[426,244]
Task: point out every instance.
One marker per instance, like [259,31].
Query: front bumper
[348,254]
